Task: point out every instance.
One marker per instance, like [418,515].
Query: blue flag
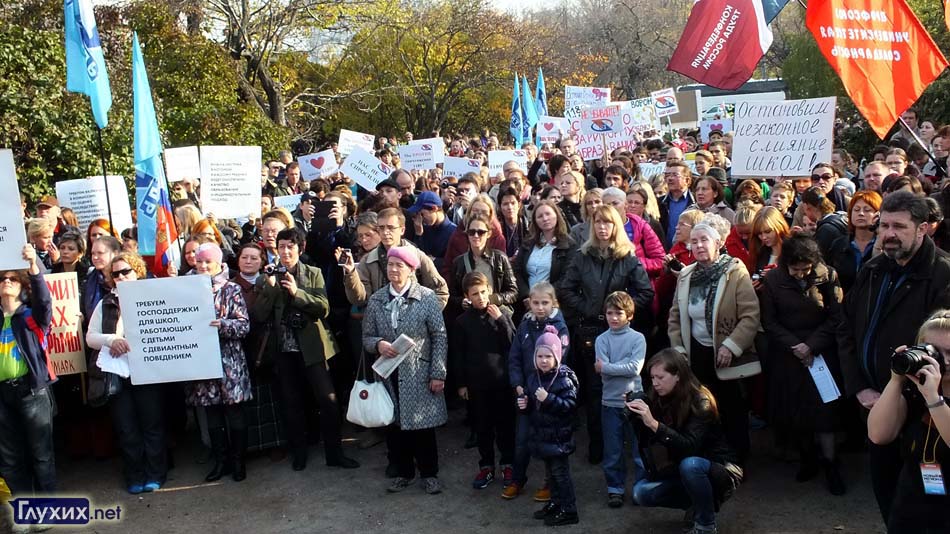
[516,119]
[541,100]
[528,112]
[772,8]
[85,64]
[156,227]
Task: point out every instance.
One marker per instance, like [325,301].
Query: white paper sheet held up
[385,366]
[824,381]
[118,365]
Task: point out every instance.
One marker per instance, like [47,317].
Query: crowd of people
[676,310]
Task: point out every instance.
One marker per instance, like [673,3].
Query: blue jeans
[692,488]
[27,461]
[617,429]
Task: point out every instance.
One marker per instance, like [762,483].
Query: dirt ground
[275,499]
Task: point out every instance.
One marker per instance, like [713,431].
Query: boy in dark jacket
[544,312]
[551,399]
[482,340]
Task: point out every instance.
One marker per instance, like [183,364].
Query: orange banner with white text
[881,51]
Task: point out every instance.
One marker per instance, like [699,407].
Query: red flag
[882,53]
[722,43]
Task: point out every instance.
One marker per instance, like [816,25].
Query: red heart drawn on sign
[317,162]
[715,127]
[549,126]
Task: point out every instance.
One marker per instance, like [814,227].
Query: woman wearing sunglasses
[480,257]
[136,410]
[26,413]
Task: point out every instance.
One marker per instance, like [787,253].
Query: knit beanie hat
[549,341]
[406,254]
[209,251]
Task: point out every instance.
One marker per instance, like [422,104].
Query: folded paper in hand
[385,366]
[118,365]
[824,380]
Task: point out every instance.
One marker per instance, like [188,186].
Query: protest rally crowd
[674,311]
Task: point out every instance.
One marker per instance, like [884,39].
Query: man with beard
[892,296]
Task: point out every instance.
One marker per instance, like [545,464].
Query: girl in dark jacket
[680,415]
[551,397]
[27,462]
[829,224]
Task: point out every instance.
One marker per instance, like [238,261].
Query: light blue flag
[85,64]
[516,119]
[541,100]
[528,113]
[151,195]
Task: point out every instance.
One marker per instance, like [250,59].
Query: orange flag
[882,53]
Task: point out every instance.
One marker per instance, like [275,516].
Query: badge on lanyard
[932,478]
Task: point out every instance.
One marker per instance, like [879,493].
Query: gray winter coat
[416,406]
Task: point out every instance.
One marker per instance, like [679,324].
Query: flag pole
[920,142]
[105,180]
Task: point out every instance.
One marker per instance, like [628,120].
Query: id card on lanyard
[930,472]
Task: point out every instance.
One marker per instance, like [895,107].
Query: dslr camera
[911,361]
[275,269]
[637,395]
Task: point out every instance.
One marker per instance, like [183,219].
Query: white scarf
[397,305]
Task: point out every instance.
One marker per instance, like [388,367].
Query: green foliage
[52,132]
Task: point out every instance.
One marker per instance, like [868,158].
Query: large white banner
[67,351]
[550,128]
[87,198]
[782,138]
[168,326]
[365,169]
[350,140]
[578,98]
[320,164]
[498,158]
[458,167]
[438,147]
[417,156]
[12,232]
[181,163]
[231,181]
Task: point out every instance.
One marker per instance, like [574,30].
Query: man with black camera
[892,296]
[293,297]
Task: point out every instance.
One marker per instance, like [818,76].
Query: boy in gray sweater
[620,353]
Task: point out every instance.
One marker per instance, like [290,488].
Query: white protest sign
[458,167]
[648,170]
[317,165]
[717,125]
[181,163]
[549,128]
[664,101]
[417,157]
[288,202]
[622,135]
[66,350]
[365,169]
[600,120]
[438,147]
[498,158]
[782,138]
[87,198]
[231,181]
[350,140]
[585,96]
[168,326]
[12,232]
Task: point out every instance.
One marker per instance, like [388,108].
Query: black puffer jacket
[827,231]
[590,278]
[552,429]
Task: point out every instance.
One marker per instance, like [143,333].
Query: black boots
[229,458]
[336,458]
[238,454]
[219,451]
[833,478]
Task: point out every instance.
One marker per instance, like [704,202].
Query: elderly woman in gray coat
[405,307]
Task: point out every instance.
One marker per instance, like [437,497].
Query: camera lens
[910,361]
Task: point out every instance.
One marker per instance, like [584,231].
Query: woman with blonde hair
[605,263]
[769,230]
[592,199]
[641,201]
[186,216]
[737,243]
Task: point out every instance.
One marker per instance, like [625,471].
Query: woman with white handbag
[399,310]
